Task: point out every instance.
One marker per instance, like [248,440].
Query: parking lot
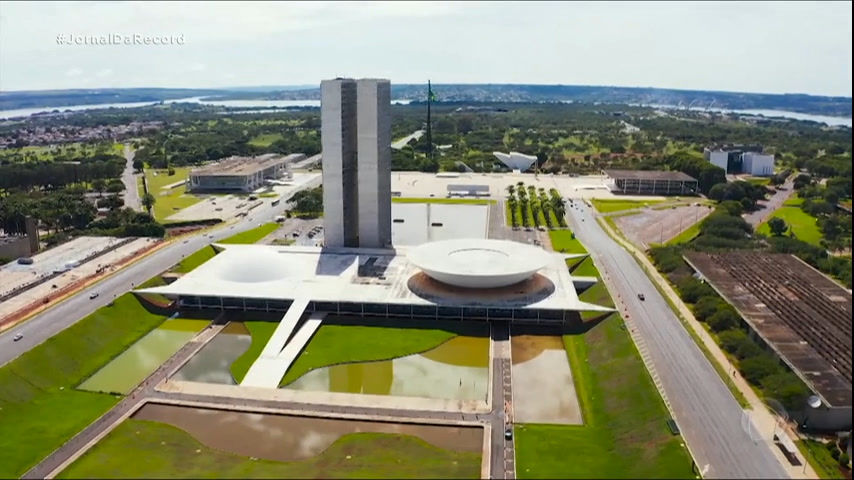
[660,225]
[227,207]
[309,233]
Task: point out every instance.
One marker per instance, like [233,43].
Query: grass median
[39,406]
[145,449]
[624,433]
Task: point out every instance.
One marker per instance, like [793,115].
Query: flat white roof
[339,275]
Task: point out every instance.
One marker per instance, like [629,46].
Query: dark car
[508,434]
[641,297]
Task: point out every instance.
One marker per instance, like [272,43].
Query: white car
[17,337]
[93,296]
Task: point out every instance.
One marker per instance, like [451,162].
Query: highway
[131,194]
[718,432]
[65,313]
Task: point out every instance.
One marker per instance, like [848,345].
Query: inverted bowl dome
[478,263]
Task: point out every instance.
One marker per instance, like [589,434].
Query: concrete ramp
[285,329]
[293,349]
[267,372]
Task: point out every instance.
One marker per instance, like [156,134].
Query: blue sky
[770,47]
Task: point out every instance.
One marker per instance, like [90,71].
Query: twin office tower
[356,139]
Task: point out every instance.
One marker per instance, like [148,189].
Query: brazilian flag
[430,95]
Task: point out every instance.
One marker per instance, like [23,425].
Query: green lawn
[450,201]
[261,333]
[336,344]
[625,434]
[144,449]
[252,236]
[759,180]
[265,140]
[562,241]
[39,406]
[169,202]
[583,268]
[201,256]
[800,223]
[609,206]
[819,459]
[687,235]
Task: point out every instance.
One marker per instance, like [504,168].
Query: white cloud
[73,72]
[104,73]
[742,46]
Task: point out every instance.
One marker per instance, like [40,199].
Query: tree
[148,202]
[308,202]
[748,349]
[778,226]
[138,165]
[731,207]
[693,290]
[99,185]
[730,340]
[787,389]
[717,192]
[706,307]
[724,319]
[756,368]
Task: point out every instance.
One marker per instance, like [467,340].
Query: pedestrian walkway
[268,371]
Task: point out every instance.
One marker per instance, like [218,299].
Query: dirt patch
[659,226]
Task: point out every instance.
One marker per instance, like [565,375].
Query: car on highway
[94,296]
[508,434]
[17,337]
[641,297]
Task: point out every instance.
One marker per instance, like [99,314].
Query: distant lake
[830,121]
[246,104]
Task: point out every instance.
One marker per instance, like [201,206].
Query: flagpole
[429,122]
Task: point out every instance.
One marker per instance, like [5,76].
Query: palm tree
[148,202]
[511,190]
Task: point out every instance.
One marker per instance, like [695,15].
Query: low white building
[757,164]
[516,161]
[719,159]
[741,160]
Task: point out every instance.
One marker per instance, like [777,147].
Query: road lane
[131,194]
[710,418]
[67,312]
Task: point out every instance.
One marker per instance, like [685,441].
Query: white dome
[516,160]
[255,266]
[478,263]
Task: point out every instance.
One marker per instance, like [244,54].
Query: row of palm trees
[522,200]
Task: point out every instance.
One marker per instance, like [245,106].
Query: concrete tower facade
[356,141]
[338,140]
[374,160]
